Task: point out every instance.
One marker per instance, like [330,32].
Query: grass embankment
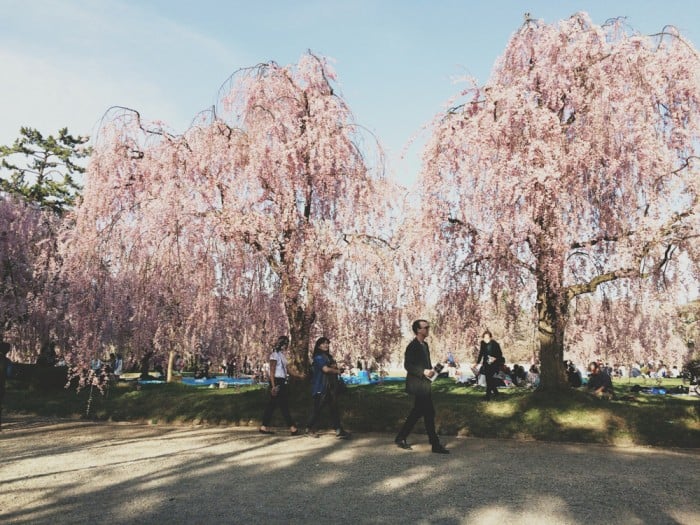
[634,418]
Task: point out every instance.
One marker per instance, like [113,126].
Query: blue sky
[65,62]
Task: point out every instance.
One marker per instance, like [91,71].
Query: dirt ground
[62,471]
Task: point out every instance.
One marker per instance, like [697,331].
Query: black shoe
[439,449]
[401,443]
[342,434]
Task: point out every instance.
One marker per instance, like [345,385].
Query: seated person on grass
[599,382]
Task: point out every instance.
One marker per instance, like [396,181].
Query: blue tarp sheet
[362,379]
[190,381]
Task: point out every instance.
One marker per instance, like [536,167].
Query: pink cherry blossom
[573,168]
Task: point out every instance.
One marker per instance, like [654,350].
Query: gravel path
[59,471]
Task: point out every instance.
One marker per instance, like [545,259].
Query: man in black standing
[418,383]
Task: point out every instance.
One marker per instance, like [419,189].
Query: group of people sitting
[505,376]
[492,372]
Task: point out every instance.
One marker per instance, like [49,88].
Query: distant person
[4,370]
[117,366]
[636,370]
[491,357]
[532,379]
[279,394]
[419,372]
[465,375]
[573,375]
[519,375]
[145,366]
[599,382]
[662,371]
[325,388]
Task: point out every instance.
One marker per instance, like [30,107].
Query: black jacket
[416,360]
[490,349]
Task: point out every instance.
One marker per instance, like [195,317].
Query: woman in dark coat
[324,388]
[491,356]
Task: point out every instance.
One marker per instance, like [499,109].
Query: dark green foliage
[42,169]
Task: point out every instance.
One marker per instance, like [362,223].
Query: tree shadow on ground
[161,474]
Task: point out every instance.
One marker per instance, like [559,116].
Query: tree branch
[348,238]
[592,285]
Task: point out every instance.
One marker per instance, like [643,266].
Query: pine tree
[47,174]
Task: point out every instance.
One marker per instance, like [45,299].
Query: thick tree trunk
[552,373]
[300,323]
[301,315]
[551,313]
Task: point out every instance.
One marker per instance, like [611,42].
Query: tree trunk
[300,322]
[552,372]
[551,313]
[171,360]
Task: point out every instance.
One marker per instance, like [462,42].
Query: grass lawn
[633,418]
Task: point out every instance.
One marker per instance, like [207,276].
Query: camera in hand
[437,369]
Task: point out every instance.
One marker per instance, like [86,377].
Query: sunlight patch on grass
[501,409]
[690,424]
[624,439]
[588,420]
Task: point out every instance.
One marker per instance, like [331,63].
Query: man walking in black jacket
[418,383]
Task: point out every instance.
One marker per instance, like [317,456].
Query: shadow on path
[62,471]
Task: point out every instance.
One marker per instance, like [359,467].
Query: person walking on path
[324,388]
[279,395]
[419,372]
[491,356]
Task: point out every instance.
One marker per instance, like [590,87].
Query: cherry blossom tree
[149,275]
[256,208]
[302,192]
[37,186]
[359,309]
[632,328]
[575,166]
[31,293]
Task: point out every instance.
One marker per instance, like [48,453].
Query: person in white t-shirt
[279,395]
